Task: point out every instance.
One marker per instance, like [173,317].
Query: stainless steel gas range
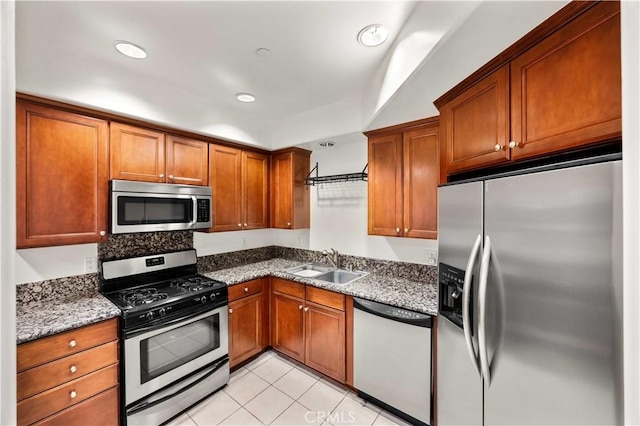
[174,334]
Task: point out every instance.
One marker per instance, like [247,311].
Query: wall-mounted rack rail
[345,177]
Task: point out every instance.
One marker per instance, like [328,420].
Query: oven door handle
[138,331]
[149,403]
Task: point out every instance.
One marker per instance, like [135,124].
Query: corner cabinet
[150,156]
[290,199]
[240,182]
[70,378]
[403,180]
[559,94]
[61,177]
[308,324]
[248,320]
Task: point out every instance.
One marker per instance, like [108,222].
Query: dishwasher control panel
[393,312]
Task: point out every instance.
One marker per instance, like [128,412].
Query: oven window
[171,349]
[151,210]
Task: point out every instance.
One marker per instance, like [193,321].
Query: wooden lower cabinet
[308,325]
[248,320]
[70,378]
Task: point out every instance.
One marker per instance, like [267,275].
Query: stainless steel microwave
[152,207]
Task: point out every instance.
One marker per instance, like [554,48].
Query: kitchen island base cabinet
[248,320]
[308,325]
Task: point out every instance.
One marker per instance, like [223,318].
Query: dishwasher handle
[393,313]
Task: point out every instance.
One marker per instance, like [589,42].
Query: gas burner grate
[143,296]
[191,284]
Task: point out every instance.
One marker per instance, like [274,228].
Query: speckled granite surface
[48,307]
[119,246]
[420,296]
[215,262]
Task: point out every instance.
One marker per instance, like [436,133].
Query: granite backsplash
[120,246]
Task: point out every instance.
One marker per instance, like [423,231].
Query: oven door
[158,357]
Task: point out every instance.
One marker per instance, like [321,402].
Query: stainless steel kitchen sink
[340,276]
[309,270]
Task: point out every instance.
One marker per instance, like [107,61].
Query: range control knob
[149,315]
[162,312]
[212,297]
[203,299]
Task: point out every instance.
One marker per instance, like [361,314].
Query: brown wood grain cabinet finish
[102,409]
[287,325]
[404,172]
[245,328]
[187,161]
[325,340]
[566,90]
[137,153]
[290,199]
[255,190]
[238,291]
[61,177]
[225,179]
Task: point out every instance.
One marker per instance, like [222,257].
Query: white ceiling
[318,82]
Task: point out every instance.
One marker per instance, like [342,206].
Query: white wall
[631,206]
[7,215]
[47,263]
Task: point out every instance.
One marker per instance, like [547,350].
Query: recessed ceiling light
[130,49]
[326,144]
[373,35]
[263,51]
[245,97]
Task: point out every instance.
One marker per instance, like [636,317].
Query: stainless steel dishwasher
[392,359]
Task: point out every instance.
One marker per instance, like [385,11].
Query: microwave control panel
[204,210]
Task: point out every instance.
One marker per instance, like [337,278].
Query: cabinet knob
[514,144]
[170,177]
[161,175]
[497,148]
[73,369]
[230,311]
[406,230]
[306,309]
[73,394]
[397,230]
[103,233]
[73,343]
[299,306]
[289,224]
[245,225]
[239,225]
[246,289]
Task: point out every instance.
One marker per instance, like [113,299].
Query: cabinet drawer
[288,287]
[248,288]
[325,297]
[47,349]
[101,409]
[47,376]
[46,403]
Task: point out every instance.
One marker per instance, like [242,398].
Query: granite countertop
[44,318]
[400,292]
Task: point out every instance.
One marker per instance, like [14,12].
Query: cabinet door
[475,124]
[255,187]
[421,175]
[385,185]
[137,154]
[566,90]
[61,177]
[187,161]
[325,340]
[287,325]
[225,179]
[245,328]
[282,188]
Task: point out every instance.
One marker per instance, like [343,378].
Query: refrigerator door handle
[466,299]
[482,311]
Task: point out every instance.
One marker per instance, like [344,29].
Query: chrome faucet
[332,255]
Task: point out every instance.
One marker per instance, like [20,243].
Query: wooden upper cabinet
[255,190]
[187,161]
[420,182]
[225,178]
[137,154]
[61,177]
[385,185]
[556,89]
[404,173]
[290,199]
[240,182]
[149,156]
[566,90]
[475,125]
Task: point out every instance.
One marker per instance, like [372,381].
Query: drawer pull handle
[497,147]
[231,311]
[246,289]
[73,369]
[72,394]
[73,343]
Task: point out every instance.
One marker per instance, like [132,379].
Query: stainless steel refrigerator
[530,297]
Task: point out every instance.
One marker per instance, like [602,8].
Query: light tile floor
[272,390]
